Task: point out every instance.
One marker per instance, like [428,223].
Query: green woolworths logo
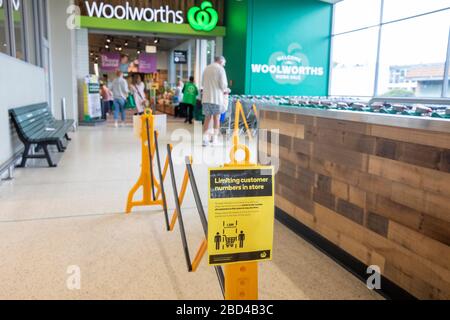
[204,18]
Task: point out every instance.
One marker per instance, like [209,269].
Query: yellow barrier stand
[239,112]
[164,173]
[204,245]
[180,198]
[241,280]
[147,179]
[255,110]
[200,254]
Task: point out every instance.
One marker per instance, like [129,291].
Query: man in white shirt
[215,86]
[120,93]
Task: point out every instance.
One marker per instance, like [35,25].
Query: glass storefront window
[412,57]
[30,27]
[19,34]
[354,66]
[356,14]
[399,9]
[448,87]
[44,19]
[3,29]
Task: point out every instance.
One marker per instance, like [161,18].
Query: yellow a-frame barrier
[239,113]
[147,180]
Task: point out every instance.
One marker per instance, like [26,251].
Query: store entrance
[157,64]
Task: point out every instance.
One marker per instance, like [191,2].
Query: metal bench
[36,126]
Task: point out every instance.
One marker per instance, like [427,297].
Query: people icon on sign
[218,240]
[241,239]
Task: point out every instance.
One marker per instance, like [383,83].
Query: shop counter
[369,189]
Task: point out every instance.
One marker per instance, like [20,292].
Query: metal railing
[411,100]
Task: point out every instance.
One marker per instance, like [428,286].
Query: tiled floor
[51,219]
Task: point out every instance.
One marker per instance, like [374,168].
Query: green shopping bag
[131,103]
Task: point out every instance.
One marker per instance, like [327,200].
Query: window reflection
[412,51]
[356,14]
[353,71]
[399,9]
[413,54]
[3,39]
[19,33]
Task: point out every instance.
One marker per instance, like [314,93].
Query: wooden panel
[341,156]
[382,194]
[347,126]
[420,244]
[340,189]
[288,129]
[419,269]
[325,199]
[288,118]
[426,138]
[430,180]
[306,121]
[378,224]
[350,211]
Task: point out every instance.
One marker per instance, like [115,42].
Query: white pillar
[63,56]
[219,46]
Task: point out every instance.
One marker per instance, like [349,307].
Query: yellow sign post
[241,219]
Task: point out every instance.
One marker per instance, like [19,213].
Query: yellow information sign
[241,214]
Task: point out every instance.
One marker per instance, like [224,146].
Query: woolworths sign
[291,67]
[202,18]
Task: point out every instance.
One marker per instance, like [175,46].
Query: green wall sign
[286,54]
[203,18]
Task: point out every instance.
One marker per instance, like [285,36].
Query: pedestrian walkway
[52,219]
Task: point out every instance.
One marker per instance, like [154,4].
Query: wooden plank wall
[380,193]
[183,5]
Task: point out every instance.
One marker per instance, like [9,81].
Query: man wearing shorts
[215,85]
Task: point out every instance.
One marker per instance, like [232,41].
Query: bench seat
[36,125]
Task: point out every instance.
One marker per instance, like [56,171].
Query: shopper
[107,82]
[107,98]
[215,85]
[190,93]
[138,91]
[120,93]
[178,98]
